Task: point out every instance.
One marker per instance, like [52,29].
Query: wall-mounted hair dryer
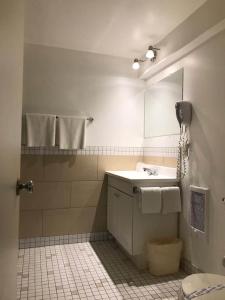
[183,112]
[184,116]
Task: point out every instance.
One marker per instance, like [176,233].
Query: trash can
[164,256]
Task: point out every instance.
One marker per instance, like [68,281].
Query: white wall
[209,14]
[70,82]
[162,141]
[204,86]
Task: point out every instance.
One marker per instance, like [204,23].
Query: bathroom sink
[140,176]
[164,174]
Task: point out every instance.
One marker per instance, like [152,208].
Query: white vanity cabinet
[128,225]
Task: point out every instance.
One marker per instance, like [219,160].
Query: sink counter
[140,177]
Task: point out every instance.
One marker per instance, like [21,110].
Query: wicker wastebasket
[164,256]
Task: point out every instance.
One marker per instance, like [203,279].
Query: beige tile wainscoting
[161,161]
[70,192]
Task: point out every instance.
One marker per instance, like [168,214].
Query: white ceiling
[115,27]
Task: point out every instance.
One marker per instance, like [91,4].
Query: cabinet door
[125,223]
[120,217]
[112,215]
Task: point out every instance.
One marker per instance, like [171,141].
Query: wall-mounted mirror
[160,99]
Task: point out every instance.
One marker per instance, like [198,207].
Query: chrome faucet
[151,171]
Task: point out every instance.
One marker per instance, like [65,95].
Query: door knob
[24,186]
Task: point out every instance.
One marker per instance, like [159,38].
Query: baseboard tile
[64,239]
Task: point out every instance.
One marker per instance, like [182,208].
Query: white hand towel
[151,202]
[40,130]
[171,201]
[71,132]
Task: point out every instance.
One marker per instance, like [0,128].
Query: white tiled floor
[97,270]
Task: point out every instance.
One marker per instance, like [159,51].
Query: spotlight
[150,53]
[136,64]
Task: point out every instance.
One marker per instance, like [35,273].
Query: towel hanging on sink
[151,202]
[171,200]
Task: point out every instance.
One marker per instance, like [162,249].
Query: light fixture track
[151,55]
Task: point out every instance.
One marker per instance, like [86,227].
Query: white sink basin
[140,176]
[164,174]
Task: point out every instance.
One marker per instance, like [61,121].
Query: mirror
[160,99]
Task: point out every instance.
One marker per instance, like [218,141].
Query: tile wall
[70,191]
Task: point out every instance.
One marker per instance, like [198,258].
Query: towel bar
[90,119]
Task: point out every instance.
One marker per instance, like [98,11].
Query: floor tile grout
[91,270]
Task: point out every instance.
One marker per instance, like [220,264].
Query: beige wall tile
[153,160]
[88,219]
[161,161]
[47,195]
[103,195]
[32,167]
[170,162]
[86,193]
[82,220]
[115,163]
[100,221]
[56,222]
[74,220]
[30,224]
[56,195]
[65,168]
[32,201]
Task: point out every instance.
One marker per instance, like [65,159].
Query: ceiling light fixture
[150,55]
[136,63]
